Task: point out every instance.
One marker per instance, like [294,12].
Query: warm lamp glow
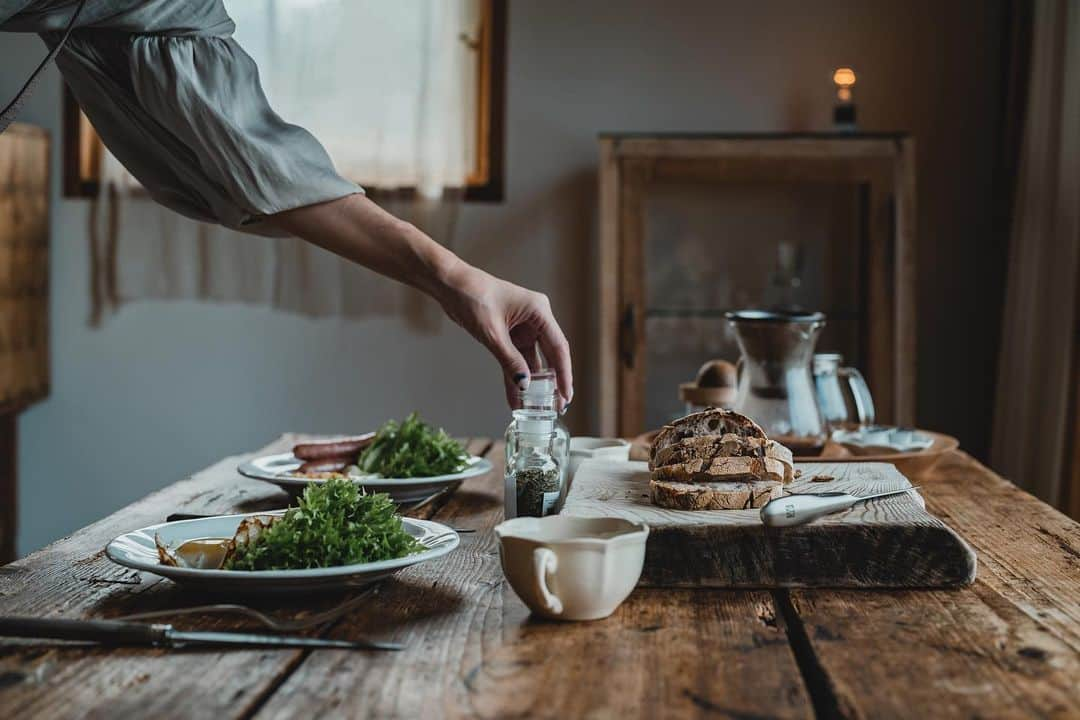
[844,111]
[844,77]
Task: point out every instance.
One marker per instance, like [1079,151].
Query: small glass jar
[537,452]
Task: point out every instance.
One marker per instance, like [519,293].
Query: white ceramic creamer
[570,568]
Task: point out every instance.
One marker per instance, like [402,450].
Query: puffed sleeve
[187,116]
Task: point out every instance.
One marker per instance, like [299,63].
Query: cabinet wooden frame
[881,165]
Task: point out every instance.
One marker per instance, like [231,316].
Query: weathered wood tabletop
[1008,646]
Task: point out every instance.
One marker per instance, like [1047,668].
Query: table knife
[117,633]
[801,508]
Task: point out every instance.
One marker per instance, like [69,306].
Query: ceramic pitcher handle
[545,563]
[864,403]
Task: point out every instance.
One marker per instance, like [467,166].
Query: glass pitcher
[775,382]
[843,395]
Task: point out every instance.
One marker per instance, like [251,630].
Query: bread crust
[722,495]
[783,454]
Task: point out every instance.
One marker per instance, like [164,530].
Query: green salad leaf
[412,448]
[334,523]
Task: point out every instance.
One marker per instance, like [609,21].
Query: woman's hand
[508,320]
[511,322]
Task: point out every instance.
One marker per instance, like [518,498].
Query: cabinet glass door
[714,247]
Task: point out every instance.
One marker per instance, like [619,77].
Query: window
[484,181]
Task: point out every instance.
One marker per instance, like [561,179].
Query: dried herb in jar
[537,491]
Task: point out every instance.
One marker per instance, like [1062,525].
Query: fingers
[524,338]
[513,397]
[557,351]
[516,373]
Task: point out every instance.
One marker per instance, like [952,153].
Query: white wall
[164,389]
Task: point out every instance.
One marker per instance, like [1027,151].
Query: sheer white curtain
[388,87]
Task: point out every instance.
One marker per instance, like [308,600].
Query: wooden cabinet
[24,299]
[694,225]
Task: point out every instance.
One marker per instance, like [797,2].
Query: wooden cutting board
[885,543]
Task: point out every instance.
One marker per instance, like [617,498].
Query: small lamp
[844,112]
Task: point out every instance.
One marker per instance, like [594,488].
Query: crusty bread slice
[782,453]
[707,447]
[720,495]
[723,469]
[714,421]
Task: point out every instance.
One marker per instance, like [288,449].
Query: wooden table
[1009,646]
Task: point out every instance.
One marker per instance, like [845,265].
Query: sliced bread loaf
[712,447]
[719,495]
[714,421]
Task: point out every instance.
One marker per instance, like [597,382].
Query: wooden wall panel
[24,300]
[24,266]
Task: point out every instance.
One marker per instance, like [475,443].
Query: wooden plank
[72,578]
[1007,647]
[1028,551]
[889,542]
[967,653]
[608,287]
[474,651]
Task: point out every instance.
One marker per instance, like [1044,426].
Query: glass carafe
[775,383]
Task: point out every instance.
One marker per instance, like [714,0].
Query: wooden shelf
[718,313]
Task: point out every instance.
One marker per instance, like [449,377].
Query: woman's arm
[508,320]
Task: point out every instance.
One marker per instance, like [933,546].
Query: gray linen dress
[179,103]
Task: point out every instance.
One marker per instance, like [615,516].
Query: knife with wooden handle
[127,634]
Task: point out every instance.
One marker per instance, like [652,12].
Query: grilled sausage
[335,449]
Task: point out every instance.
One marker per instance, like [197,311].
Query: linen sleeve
[187,116]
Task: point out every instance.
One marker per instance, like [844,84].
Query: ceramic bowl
[584,448]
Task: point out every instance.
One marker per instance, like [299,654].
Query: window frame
[82,147]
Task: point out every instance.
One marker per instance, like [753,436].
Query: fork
[253,614]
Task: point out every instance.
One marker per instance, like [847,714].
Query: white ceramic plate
[137,550]
[276,469]
[884,438]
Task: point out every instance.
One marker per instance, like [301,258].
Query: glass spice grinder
[537,452]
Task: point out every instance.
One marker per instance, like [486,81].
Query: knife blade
[118,633]
[188,638]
